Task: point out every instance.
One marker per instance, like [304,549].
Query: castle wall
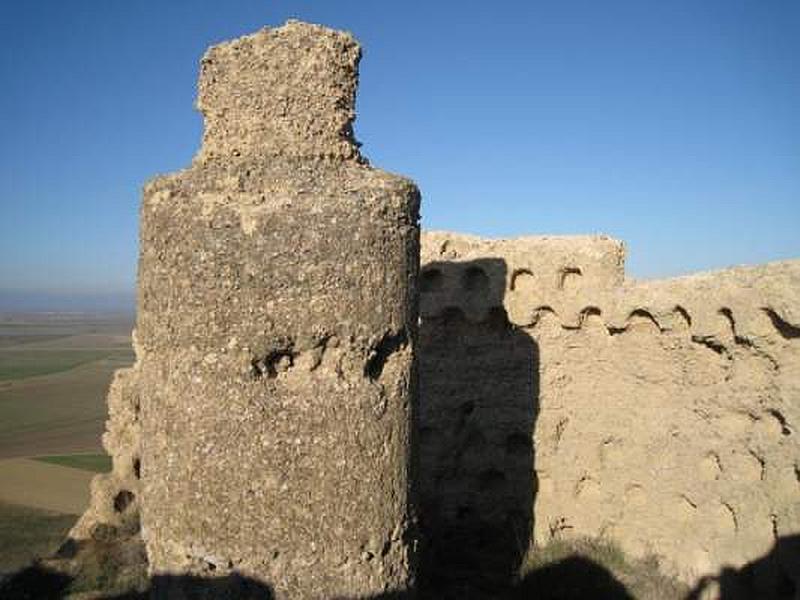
[661,415]
[265,428]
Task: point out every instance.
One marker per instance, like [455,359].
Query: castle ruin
[272,425]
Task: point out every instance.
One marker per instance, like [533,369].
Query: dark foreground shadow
[569,579]
[39,582]
[574,578]
[473,456]
[774,576]
[35,582]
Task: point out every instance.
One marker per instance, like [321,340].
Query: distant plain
[55,369]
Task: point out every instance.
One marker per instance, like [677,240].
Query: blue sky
[672,125]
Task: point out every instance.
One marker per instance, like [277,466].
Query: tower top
[288,91]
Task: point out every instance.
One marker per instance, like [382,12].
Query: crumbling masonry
[265,428]
[274,338]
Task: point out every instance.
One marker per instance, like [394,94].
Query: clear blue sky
[672,125]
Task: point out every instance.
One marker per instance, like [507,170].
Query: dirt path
[41,485]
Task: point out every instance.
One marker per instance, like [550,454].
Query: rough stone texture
[663,415]
[114,502]
[276,319]
[107,537]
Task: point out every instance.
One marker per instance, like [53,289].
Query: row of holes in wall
[474,279]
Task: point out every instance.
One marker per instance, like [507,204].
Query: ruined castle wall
[276,322]
[662,415]
[265,428]
[114,499]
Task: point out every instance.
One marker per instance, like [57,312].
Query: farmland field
[54,374]
[97,463]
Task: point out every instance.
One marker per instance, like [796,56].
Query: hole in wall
[123,500]
[497,319]
[518,277]
[273,363]
[640,315]
[683,314]
[453,315]
[389,344]
[137,468]
[728,314]
[474,444]
[591,315]
[427,435]
[569,277]
[786,587]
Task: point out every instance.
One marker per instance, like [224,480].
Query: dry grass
[27,533]
[595,568]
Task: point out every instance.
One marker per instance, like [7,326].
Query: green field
[21,364]
[58,413]
[26,533]
[16,340]
[53,385]
[99,463]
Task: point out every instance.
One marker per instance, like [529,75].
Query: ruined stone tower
[277,314]
[263,434]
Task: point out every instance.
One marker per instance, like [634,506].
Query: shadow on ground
[572,579]
[771,577]
[774,576]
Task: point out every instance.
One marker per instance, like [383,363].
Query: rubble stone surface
[560,400]
[275,328]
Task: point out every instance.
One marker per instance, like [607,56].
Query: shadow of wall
[574,578]
[774,576]
[474,458]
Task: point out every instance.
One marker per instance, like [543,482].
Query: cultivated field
[54,374]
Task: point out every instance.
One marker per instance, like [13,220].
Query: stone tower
[277,315]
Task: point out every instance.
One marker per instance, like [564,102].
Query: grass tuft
[596,568]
